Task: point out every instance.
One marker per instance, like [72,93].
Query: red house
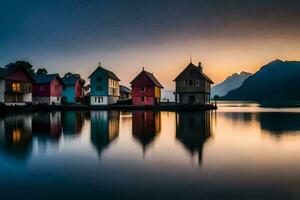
[146,90]
[47,88]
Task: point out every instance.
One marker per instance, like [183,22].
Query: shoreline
[161,107]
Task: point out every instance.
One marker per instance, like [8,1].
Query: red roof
[151,77]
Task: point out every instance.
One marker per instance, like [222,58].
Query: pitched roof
[4,72]
[110,74]
[152,78]
[191,65]
[124,89]
[45,78]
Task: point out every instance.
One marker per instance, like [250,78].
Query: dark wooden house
[15,85]
[192,86]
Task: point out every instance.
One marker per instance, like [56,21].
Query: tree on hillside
[41,71]
[70,74]
[26,65]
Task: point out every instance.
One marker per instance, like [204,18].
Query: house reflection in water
[104,128]
[145,126]
[16,136]
[72,122]
[192,130]
[47,125]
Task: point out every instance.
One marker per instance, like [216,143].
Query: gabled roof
[124,89]
[152,78]
[191,65]
[4,72]
[46,78]
[110,74]
[70,80]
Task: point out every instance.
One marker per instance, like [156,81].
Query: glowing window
[16,87]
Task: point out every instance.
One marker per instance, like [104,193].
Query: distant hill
[278,80]
[232,82]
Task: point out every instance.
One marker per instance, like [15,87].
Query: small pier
[158,107]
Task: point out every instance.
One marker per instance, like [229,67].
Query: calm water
[241,151]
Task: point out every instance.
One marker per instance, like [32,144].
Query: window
[197,83]
[192,99]
[99,79]
[142,99]
[99,88]
[184,82]
[56,87]
[191,82]
[16,87]
[57,98]
[100,99]
[143,89]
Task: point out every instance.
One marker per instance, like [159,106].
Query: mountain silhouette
[277,80]
[230,83]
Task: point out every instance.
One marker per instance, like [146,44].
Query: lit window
[16,87]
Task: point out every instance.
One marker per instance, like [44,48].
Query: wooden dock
[160,107]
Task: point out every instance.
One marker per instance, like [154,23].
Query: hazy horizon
[226,37]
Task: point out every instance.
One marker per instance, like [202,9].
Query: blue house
[73,89]
[104,87]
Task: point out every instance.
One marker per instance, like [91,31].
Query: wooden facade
[15,86]
[73,90]
[192,86]
[146,90]
[47,89]
[104,87]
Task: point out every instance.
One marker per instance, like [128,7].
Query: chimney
[199,66]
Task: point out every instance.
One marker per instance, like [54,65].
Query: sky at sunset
[227,36]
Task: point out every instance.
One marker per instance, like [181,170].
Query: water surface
[241,151]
